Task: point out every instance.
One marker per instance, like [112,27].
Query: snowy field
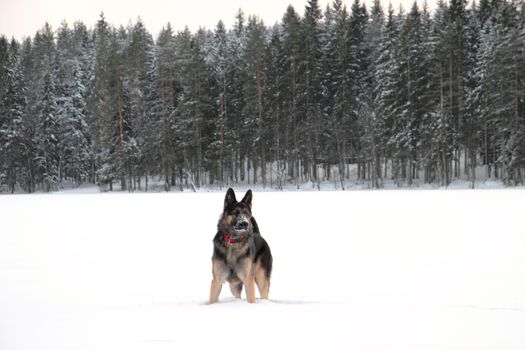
[352,270]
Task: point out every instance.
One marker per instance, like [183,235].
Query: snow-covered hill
[352,270]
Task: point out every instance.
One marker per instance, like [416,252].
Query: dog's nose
[241,224]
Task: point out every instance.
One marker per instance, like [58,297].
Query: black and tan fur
[240,255]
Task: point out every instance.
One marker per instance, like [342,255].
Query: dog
[240,255]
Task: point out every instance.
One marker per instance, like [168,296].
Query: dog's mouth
[241,227]
[239,231]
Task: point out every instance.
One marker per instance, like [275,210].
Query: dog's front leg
[215,290]
[250,289]
[247,277]
[219,276]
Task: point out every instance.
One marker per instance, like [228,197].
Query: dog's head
[236,216]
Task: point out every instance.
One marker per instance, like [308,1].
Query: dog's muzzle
[241,225]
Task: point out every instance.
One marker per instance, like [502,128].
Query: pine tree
[290,92]
[74,139]
[116,139]
[27,59]
[386,75]
[472,120]
[47,157]
[253,131]
[193,109]
[42,115]
[39,64]
[139,64]
[12,127]
[507,95]
[274,106]
[220,149]
[365,37]
[166,91]
[310,73]
[4,67]
[373,38]
[97,105]
[235,104]
[453,75]
[75,143]
[409,108]
[357,77]
[338,86]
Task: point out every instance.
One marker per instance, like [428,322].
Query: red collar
[232,240]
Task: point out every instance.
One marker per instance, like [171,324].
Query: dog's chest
[235,254]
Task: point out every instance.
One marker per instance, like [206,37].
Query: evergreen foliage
[336,94]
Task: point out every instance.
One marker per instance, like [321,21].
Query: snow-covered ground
[352,270]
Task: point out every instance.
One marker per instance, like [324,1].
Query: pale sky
[20,18]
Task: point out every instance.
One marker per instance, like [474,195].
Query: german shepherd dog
[240,255]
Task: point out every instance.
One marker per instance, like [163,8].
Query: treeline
[334,94]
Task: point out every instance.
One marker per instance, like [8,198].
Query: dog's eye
[236,212]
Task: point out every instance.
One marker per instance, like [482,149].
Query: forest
[336,94]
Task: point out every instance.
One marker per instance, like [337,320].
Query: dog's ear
[230,199]
[248,198]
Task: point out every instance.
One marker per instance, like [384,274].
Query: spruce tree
[165,93]
[291,60]
[253,131]
[47,142]
[337,87]
[4,66]
[386,75]
[220,149]
[194,108]
[97,105]
[75,142]
[274,106]
[139,64]
[310,73]
[235,104]
[472,120]
[12,128]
